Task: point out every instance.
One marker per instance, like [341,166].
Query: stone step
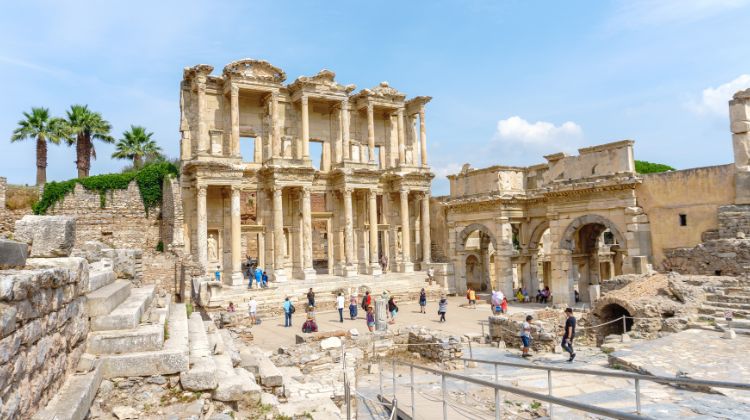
[149,337]
[106,299]
[729,305]
[202,373]
[171,359]
[100,278]
[128,314]
[728,298]
[719,312]
[73,400]
[234,384]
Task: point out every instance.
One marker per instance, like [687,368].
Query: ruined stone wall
[44,328]
[734,220]
[3,187]
[696,193]
[438,230]
[8,220]
[725,257]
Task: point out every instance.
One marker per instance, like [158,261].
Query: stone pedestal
[405,267]
[381,321]
[595,292]
[349,271]
[237,279]
[375,270]
[280,276]
[309,274]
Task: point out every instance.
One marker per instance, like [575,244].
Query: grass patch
[166,329]
[18,197]
[536,405]
[189,308]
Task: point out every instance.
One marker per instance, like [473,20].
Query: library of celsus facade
[311,177]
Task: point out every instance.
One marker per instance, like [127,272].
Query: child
[442,308]
[504,305]
[393,309]
[217,273]
[370,319]
[526,336]
[264,277]
[422,301]
[230,308]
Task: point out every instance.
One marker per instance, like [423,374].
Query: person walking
[252,307]
[504,305]
[526,336]
[353,306]
[340,306]
[288,311]
[370,319]
[258,277]
[392,309]
[311,298]
[569,334]
[366,301]
[442,308]
[472,295]
[422,301]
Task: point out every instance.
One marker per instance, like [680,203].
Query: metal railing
[689,382]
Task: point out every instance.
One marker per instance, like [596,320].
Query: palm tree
[136,144]
[86,125]
[38,125]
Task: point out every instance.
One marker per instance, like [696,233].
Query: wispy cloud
[519,131]
[637,14]
[13,61]
[713,100]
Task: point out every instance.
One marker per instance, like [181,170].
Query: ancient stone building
[308,177]
[575,221]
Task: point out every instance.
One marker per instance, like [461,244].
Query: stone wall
[44,328]
[3,187]
[8,220]
[724,257]
[734,220]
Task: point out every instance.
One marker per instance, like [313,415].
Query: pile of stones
[434,345]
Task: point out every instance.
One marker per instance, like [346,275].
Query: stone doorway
[474,273]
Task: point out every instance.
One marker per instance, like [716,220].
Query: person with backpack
[366,300]
[288,311]
[392,309]
[442,308]
[422,301]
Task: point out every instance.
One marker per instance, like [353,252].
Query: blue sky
[510,80]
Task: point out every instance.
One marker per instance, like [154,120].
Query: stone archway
[474,272]
[568,238]
[474,247]
[468,230]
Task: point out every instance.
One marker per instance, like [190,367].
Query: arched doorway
[594,242]
[612,312]
[475,247]
[474,273]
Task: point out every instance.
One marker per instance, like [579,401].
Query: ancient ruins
[112,308]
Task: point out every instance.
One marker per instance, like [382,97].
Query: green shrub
[160,246]
[643,167]
[149,180]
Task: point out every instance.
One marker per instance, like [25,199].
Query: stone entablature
[371,187]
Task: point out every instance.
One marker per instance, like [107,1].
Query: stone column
[237,279]
[374,265]
[202,227]
[422,136]
[426,240]
[275,135]
[279,245]
[345,128]
[307,259]
[503,255]
[371,132]
[406,264]
[203,140]
[329,245]
[349,268]
[234,110]
[401,135]
[305,129]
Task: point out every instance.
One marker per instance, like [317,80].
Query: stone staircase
[730,294]
[403,286]
[133,333]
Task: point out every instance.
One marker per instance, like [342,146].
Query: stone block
[13,254]
[49,236]
[742,188]
[640,264]
[330,343]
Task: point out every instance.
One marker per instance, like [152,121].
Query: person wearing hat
[310,326]
[526,336]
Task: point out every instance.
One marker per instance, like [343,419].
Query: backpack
[364,302]
[292,309]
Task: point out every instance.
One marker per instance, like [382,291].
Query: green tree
[643,167]
[85,126]
[38,125]
[137,144]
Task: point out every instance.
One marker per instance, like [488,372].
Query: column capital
[370,107]
[236,189]
[403,190]
[234,90]
[202,189]
[372,193]
[306,189]
[345,104]
[348,190]
[277,190]
[400,112]
[304,99]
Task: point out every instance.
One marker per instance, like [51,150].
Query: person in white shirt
[340,306]
[252,306]
[526,336]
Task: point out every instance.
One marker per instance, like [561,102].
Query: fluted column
[426,241]
[203,140]
[275,134]
[234,111]
[279,242]
[305,128]
[202,226]
[345,129]
[401,135]
[406,265]
[236,238]
[374,265]
[371,132]
[422,136]
[307,260]
[349,268]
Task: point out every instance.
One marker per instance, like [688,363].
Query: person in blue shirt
[265,279]
[258,274]
[217,273]
[287,312]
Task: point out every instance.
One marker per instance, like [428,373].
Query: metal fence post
[638,396]
[380,377]
[496,376]
[624,329]
[394,379]
[394,408]
[549,387]
[497,404]
[445,399]
[413,408]
[471,353]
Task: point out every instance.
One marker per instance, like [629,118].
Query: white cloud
[517,130]
[634,14]
[714,100]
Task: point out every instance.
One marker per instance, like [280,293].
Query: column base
[375,269]
[309,274]
[280,276]
[237,279]
[405,267]
[349,271]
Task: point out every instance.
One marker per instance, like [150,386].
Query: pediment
[325,80]
[257,70]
